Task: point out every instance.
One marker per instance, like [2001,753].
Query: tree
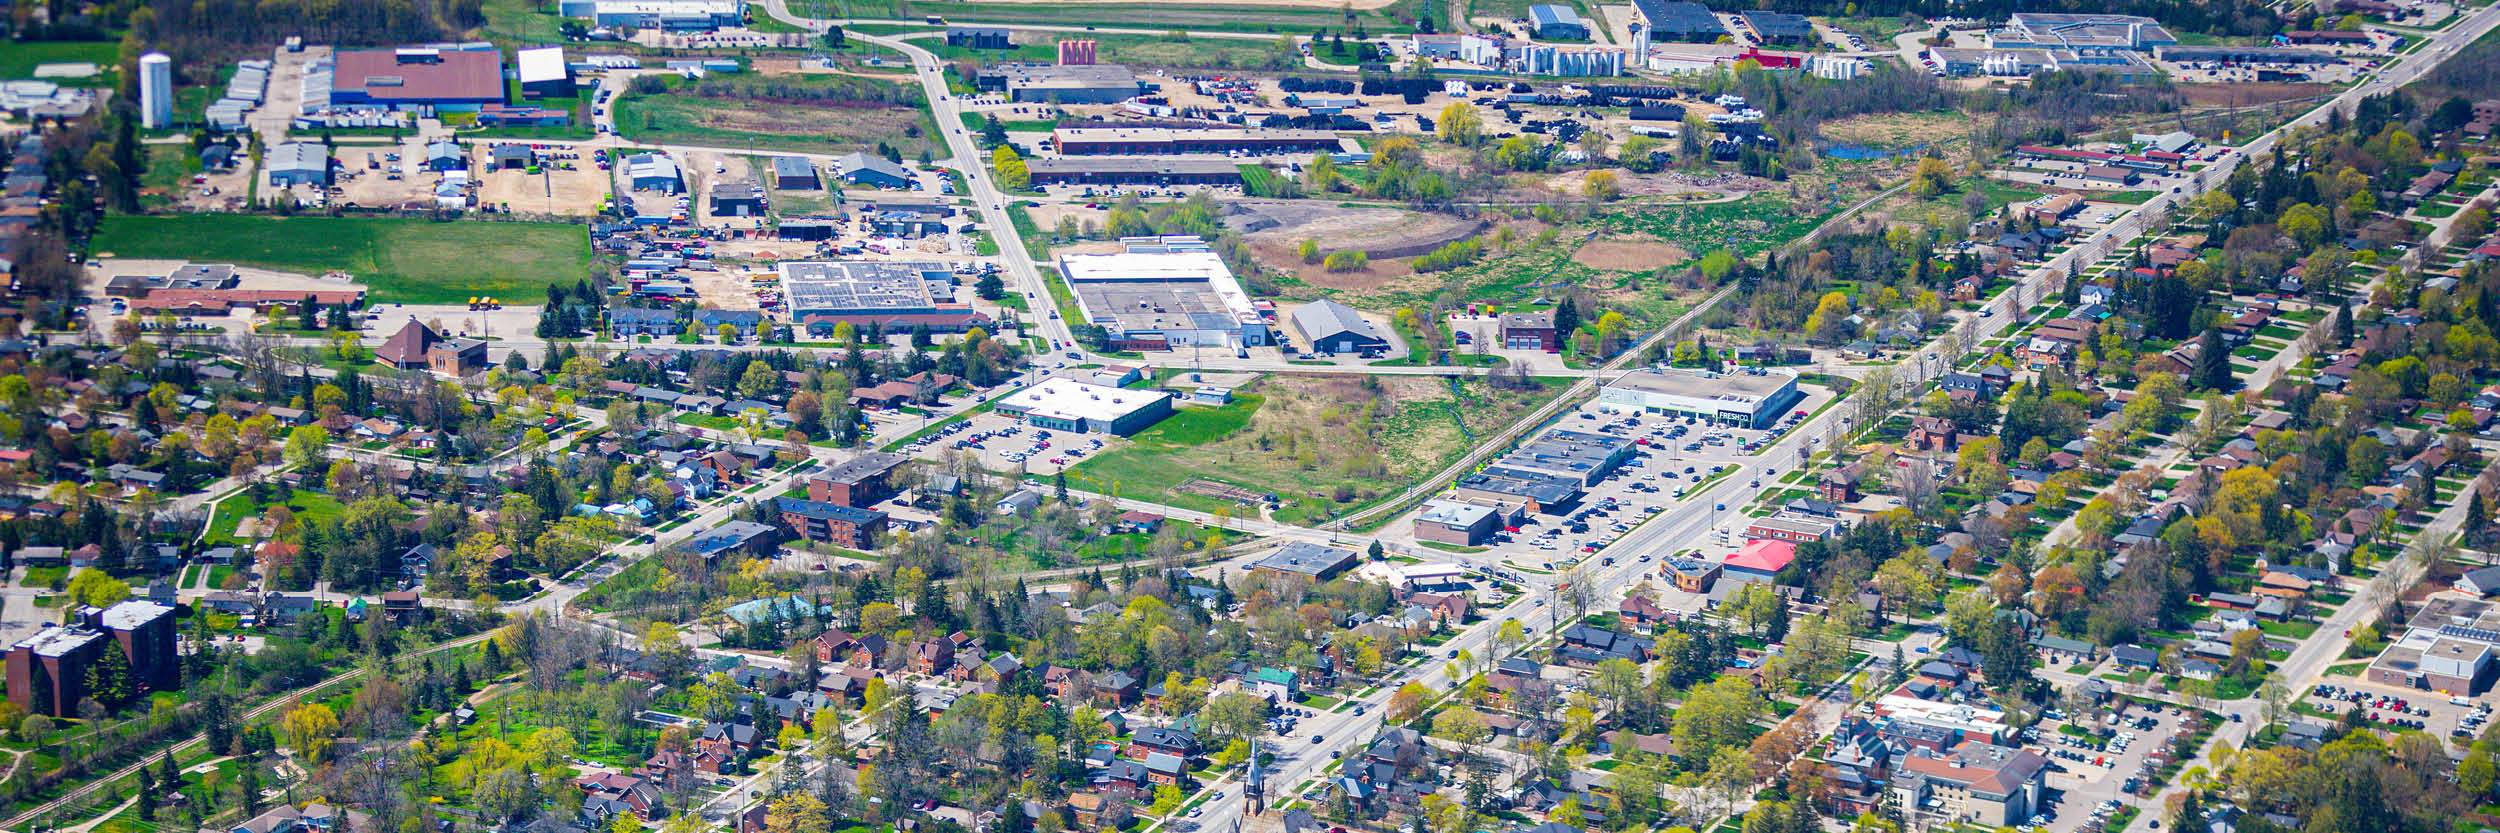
[1600,186]
[1932,177]
[1717,716]
[1830,320]
[95,588]
[797,812]
[305,444]
[309,729]
[1460,124]
[1013,174]
[1461,725]
[1406,701]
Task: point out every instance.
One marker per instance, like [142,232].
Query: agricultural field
[19,60]
[399,260]
[821,114]
[1324,445]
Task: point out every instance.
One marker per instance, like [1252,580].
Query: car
[1315,739]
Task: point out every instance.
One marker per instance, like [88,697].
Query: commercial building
[832,523]
[1165,141]
[1553,22]
[2450,645]
[48,672]
[1084,407]
[1672,21]
[884,295]
[543,72]
[298,163]
[1456,522]
[1752,399]
[1308,560]
[2027,62]
[1332,328]
[1760,560]
[654,172]
[156,90]
[1122,170]
[2044,30]
[1577,454]
[2247,55]
[1062,84]
[1974,782]
[1779,27]
[418,78]
[669,15]
[1794,529]
[737,198]
[1535,490]
[1164,293]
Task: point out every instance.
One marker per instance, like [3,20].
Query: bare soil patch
[1628,255]
[2246,94]
[1280,255]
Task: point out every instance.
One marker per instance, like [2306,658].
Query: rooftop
[1729,387]
[418,74]
[1072,400]
[1306,558]
[858,285]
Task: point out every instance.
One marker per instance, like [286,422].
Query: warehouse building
[1084,407]
[1057,84]
[1672,21]
[1752,400]
[2046,30]
[871,170]
[1164,293]
[882,295]
[299,163]
[418,78]
[2024,63]
[667,15]
[795,173]
[1120,170]
[1166,141]
[1553,22]
[543,72]
[1779,27]
[654,172]
[979,37]
[1332,328]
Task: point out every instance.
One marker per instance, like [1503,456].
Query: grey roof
[861,162]
[1307,559]
[299,156]
[793,166]
[1323,318]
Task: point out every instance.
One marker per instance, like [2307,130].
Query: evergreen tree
[2213,363]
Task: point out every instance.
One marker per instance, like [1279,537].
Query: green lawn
[18,59]
[307,506]
[401,260]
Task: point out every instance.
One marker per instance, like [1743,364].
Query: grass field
[746,122]
[401,260]
[18,59]
[306,505]
[1324,445]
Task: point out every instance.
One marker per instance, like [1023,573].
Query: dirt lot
[724,289]
[1668,184]
[575,192]
[1382,232]
[1620,255]
[2249,93]
[360,183]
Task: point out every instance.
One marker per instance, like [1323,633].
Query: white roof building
[545,63]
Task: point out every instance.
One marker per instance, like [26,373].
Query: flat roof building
[1303,558]
[1063,84]
[2037,30]
[1540,491]
[1779,27]
[418,77]
[795,173]
[891,295]
[1165,141]
[669,15]
[543,72]
[1747,399]
[1126,170]
[1164,293]
[1579,454]
[1070,405]
[1674,21]
[1456,522]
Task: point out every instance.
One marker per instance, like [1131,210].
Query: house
[2482,582]
[1587,645]
[1933,435]
[1839,485]
[1642,613]
[2134,656]
[932,657]
[1276,684]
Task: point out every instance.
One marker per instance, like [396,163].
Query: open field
[400,260]
[821,121]
[1143,50]
[1323,444]
[1897,130]
[1281,16]
[1628,255]
[19,59]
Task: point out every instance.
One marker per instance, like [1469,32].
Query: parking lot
[1004,443]
[2092,773]
[2391,708]
[1675,455]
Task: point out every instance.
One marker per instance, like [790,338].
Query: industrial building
[1751,400]
[419,78]
[1332,328]
[2045,30]
[1062,404]
[1779,27]
[669,15]
[1566,61]
[979,37]
[1064,84]
[2027,62]
[298,163]
[1672,21]
[1123,170]
[654,172]
[795,173]
[886,296]
[1165,141]
[1164,293]
[871,170]
[543,72]
[1554,22]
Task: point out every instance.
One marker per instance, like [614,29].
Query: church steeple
[1254,790]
